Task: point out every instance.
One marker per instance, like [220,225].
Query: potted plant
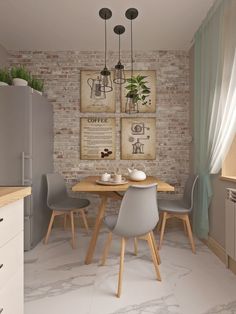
[20,76]
[37,85]
[5,78]
[137,92]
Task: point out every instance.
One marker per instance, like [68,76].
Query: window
[229,164]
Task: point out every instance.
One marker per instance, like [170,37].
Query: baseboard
[219,251]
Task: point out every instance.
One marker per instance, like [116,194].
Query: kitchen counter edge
[11,194]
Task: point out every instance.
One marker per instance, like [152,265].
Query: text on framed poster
[97,138]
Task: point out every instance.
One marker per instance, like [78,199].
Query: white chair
[137,217]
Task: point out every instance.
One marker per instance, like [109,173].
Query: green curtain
[214,103]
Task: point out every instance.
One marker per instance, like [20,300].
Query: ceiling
[75,24]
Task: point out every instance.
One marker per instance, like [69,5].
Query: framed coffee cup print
[92,98]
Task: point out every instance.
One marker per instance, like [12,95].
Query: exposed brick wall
[61,73]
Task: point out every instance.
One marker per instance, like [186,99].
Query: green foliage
[20,72]
[36,84]
[137,89]
[5,76]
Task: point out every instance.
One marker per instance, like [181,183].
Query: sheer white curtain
[214,101]
[223,118]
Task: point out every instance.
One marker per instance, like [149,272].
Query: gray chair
[179,209]
[137,217]
[61,204]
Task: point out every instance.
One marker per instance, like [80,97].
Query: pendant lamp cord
[131,40]
[119,47]
[105,42]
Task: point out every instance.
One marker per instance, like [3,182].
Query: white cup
[117,178]
[105,177]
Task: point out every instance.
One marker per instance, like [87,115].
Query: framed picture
[92,99]
[144,85]
[138,138]
[97,138]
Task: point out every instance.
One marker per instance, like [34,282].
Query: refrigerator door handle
[23,179]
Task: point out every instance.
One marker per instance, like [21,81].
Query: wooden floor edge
[219,251]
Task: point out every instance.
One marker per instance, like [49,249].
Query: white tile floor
[58,282]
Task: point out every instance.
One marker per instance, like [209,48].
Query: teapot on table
[136,175]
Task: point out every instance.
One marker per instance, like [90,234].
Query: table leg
[98,222]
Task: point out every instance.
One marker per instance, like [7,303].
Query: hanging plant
[137,89]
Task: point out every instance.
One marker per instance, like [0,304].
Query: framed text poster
[138,138]
[144,83]
[97,138]
[92,99]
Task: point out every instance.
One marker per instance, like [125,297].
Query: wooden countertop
[11,194]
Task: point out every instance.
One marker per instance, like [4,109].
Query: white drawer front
[11,221]
[12,295]
[11,258]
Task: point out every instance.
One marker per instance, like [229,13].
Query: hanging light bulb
[131,105]
[119,68]
[105,74]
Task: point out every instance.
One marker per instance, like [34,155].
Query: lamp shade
[106,82]
[119,74]
[131,106]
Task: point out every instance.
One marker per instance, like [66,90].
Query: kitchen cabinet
[11,249]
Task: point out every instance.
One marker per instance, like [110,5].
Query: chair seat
[69,203]
[173,206]
[110,221]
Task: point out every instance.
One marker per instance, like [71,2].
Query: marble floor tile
[58,282]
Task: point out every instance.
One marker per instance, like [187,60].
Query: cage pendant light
[119,68]
[105,74]
[131,105]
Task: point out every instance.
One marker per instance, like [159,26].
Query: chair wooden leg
[162,229]
[185,228]
[190,235]
[122,254]
[150,244]
[135,246]
[84,220]
[106,249]
[72,229]
[65,220]
[49,228]
[155,248]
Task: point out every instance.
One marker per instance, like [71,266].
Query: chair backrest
[56,188]
[138,213]
[189,191]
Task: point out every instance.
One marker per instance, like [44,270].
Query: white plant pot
[3,84]
[38,92]
[19,82]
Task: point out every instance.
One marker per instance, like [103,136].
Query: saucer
[112,182]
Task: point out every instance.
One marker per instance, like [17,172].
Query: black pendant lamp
[131,103]
[105,74]
[119,68]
